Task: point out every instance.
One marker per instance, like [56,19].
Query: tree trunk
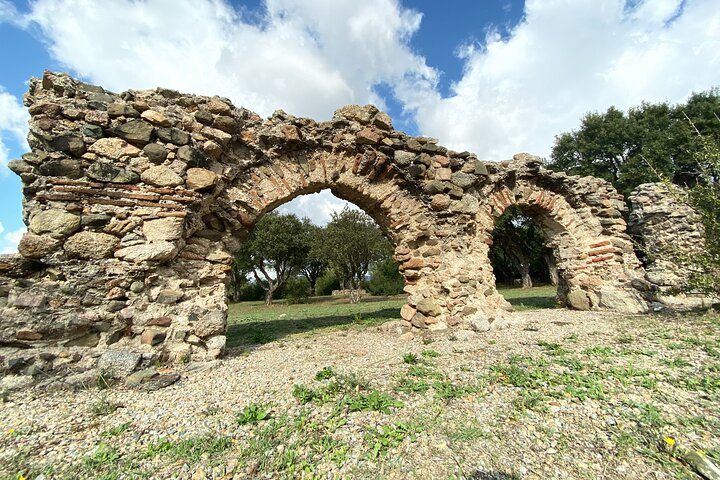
[269,296]
[355,295]
[525,274]
[552,270]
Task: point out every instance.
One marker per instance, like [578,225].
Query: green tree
[352,243]
[631,148]
[386,278]
[518,245]
[315,263]
[275,250]
[704,196]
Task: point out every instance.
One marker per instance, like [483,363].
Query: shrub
[386,279]
[296,290]
[327,283]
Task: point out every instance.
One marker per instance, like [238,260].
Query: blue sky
[493,76]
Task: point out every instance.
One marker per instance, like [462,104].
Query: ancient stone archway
[584,227]
[136,201]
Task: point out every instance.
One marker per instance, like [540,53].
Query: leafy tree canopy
[352,243]
[518,246]
[275,250]
[634,147]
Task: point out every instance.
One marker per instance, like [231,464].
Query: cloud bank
[517,91]
[307,58]
[568,57]
[13,127]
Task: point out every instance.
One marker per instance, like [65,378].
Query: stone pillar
[668,232]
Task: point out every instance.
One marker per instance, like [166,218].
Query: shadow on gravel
[261,332]
[482,475]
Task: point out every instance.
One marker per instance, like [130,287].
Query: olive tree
[352,243]
[275,250]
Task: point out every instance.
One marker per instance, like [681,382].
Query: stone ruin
[135,203]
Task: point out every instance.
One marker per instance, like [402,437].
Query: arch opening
[524,259]
[327,283]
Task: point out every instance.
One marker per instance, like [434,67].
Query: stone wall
[668,233]
[135,203]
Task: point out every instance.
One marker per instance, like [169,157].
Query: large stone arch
[136,201]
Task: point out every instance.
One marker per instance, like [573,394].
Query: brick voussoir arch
[582,218]
[137,201]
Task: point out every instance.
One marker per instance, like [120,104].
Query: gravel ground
[558,394]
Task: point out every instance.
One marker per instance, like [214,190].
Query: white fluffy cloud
[9,240]
[307,58]
[318,207]
[568,57]
[13,126]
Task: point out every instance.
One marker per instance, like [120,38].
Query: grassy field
[255,323]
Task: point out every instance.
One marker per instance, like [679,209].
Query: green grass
[530,298]
[253,323]
[189,450]
[253,413]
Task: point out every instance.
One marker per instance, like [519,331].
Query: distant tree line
[291,258]
[647,142]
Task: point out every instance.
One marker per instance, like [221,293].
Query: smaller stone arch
[582,218]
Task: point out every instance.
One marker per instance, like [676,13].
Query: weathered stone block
[119,362]
[407,312]
[108,172]
[121,109]
[37,246]
[173,135]
[150,252]
[215,105]
[191,156]
[382,120]
[200,179]
[578,300]
[156,153]
[169,296]
[463,180]
[137,132]
[404,158]
[152,337]
[429,307]
[622,300]
[114,148]
[367,136]
[27,334]
[223,138]
[418,320]
[163,229]
[91,245]
[211,324]
[62,168]
[153,116]
[54,221]
[161,176]
[443,174]
[68,142]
